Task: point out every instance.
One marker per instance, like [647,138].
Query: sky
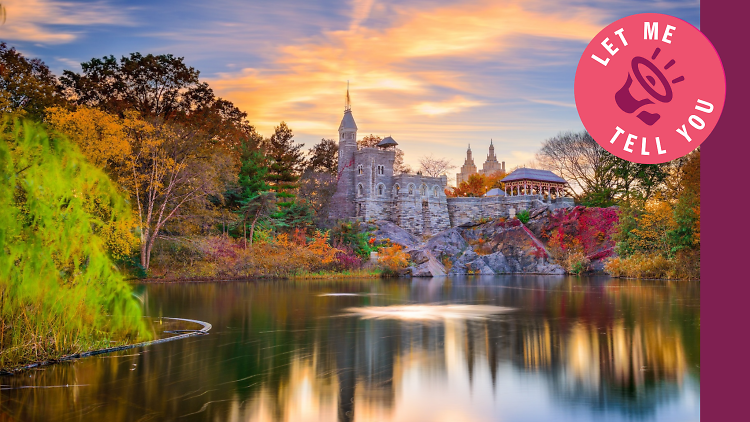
[435,75]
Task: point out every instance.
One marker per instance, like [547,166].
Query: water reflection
[572,349]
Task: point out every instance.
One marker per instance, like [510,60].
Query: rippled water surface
[515,348]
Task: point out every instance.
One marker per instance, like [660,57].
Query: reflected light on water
[428,312]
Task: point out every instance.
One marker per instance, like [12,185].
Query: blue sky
[436,75]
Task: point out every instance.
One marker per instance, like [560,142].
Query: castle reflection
[572,350]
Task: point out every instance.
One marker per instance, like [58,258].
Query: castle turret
[342,203]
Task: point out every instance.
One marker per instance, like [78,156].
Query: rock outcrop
[506,246]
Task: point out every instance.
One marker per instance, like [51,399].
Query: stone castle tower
[342,202]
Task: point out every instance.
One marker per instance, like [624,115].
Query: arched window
[435,191]
[396,188]
[381,189]
[359,169]
[411,189]
[360,190]
[422,190]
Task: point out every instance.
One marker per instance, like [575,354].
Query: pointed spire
[348,105]
[469,147]
[490,141]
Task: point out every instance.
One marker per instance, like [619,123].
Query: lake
[499,348]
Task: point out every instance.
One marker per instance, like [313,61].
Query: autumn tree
[171,168]
[434,166]
[476,185]
[100,135]
[158,86]
[686,234]
[27,86]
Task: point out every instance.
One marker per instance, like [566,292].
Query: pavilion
[526,181]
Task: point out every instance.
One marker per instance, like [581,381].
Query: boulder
[386,230]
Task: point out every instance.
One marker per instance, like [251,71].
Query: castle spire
[348,105]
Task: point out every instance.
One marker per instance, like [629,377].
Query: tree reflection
[280,352]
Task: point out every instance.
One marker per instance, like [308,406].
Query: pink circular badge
[650,88]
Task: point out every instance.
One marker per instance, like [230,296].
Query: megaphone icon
[629,104]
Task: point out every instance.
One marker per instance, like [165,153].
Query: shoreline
[206,327]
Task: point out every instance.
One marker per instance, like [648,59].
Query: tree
[253,209]
[598,177]
[583,163]
[324,157]
[161,87]
[316,189]
[475,186]
[478,184]
[170,168]
[370,141]
[155,86]
[26,86]
[434,167]
[100,135]
[59,288]
[286,161]
[686,234]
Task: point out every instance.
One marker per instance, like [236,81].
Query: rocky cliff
[507,246]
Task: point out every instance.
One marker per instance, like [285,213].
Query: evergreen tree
[285,163]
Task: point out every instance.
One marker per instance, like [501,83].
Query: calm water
[570,350]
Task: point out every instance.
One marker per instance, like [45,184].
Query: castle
[367,188]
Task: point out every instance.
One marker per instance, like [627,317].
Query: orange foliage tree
[477,185]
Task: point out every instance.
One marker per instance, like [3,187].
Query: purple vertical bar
[725,235]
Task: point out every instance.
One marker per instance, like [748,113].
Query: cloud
[52,22]
[415,78]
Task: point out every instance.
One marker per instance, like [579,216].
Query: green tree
[155,86]
[286,161]
[59,290]
[324,157]
[27,86]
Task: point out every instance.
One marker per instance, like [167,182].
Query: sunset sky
[435,75]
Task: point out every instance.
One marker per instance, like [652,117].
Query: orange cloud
[400,82]
[38,20]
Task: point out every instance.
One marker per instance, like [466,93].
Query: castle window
[411,189]
[359,169]
[435,192]
[360,190]
[421,190]
[396,188]
[381,188]
[381,169]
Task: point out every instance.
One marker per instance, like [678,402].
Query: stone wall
[471,210]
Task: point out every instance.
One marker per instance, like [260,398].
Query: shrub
[641,265]
[523,216]
[393,258]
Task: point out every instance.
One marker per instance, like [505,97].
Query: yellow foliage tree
[102,139]
[653,225]
[100,136]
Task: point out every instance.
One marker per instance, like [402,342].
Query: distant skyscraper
[490,166]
